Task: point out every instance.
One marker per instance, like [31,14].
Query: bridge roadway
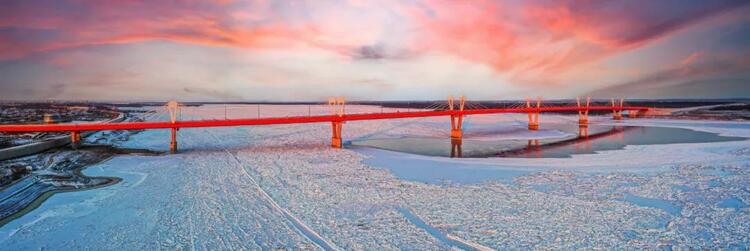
[296,120]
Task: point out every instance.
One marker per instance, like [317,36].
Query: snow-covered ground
[282,187]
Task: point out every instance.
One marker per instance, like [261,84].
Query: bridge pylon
[534,113]
[617,109]
[338,107]
[583,112]
[75,139]
[457,118]
[174,108]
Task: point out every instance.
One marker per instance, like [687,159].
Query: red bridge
[456,110]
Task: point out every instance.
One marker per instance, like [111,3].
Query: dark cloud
[369,52]
[717,87]
[667,21]
[378,52]
[629,23]
[722,87]
[725,76]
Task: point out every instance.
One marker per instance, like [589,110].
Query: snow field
[281,186]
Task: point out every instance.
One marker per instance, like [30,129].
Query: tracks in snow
[300,226]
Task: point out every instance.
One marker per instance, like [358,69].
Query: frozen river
[597,139]
[282,187]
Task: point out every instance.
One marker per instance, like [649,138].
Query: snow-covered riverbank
[283,187]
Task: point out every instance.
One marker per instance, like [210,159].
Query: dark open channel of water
[596,138]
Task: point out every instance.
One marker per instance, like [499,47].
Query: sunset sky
[308,50]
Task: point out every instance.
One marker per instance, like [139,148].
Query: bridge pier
[338,107]
[174,108]
[583,122]
[75,139]
[534,113]
[336,141]
[173,143]
[533,126]
[456,122]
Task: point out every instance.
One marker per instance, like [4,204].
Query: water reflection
[583,132]
[456,151]
[589,139]
[583,143]
[532,148]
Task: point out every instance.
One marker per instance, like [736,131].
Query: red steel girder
[289,120]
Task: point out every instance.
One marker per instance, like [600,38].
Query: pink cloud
[531,41]
[691,59]
[119,22]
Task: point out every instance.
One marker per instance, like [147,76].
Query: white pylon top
[588,103]
[338,105]
[538,102]
[614,102]
[461,104]
[173,108]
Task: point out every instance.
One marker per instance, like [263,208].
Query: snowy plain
[273,187]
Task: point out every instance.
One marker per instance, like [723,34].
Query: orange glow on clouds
[542,43]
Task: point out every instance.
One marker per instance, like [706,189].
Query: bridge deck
[293,120]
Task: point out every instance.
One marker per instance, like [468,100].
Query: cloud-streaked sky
[287,50]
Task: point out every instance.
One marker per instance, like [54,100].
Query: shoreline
[77,172]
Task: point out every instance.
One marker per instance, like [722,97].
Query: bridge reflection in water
[456,151]
[534,147]
[583,143]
